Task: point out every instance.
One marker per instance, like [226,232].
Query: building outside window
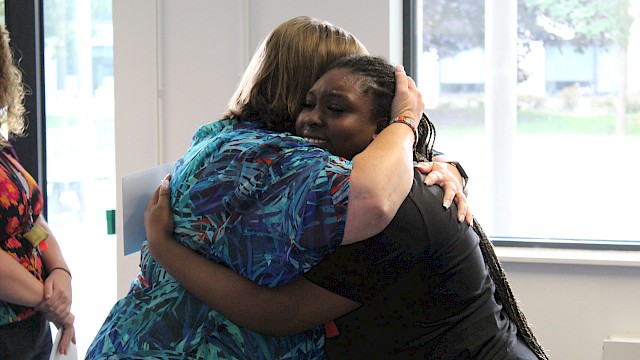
[540,101]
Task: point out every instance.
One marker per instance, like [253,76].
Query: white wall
[177,62]
[576,299]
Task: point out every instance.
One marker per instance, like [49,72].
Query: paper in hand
[72,352]
[137,189]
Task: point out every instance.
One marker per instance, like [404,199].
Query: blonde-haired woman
[35,281]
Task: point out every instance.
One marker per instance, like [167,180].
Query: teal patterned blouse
[269,206]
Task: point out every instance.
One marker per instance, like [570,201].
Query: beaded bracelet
[409,122]
[61,268]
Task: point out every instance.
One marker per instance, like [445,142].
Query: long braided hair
[377,78]
[505,295]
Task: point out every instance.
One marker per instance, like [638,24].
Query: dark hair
[377,78]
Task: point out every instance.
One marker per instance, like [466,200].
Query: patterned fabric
[265,204]
[16,207]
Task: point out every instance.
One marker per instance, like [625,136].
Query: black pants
[28,339]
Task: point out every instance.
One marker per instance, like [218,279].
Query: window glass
[540,102]
[78,67]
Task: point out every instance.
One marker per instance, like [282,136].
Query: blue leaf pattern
[265,204]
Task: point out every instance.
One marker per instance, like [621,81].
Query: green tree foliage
[451,27]
[454,26]
[593,23]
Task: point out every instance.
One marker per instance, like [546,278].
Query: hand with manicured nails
[438,173]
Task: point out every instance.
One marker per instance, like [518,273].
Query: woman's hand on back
[438,173]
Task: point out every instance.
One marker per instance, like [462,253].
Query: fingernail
[447,204]
[461,218]
[165,183]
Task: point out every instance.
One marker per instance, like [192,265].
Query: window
[540,101]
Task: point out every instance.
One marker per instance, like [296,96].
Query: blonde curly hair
[11,91]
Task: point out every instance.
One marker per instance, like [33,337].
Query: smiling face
[337,116]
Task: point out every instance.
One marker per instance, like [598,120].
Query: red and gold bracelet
[409,122]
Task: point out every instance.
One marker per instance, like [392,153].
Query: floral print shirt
[19,207]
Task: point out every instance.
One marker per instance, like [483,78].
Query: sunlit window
[540,101]
[79,107]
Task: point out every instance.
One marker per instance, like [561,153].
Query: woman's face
[337,116]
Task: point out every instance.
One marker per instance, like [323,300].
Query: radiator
[621,348]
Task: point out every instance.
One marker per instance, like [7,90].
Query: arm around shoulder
[283,310]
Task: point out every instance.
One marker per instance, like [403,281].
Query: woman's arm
[17,285]
[284,310]
[382,174]
[57,286]
[57,290]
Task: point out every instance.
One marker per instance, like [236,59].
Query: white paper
[137,189]
[72,351]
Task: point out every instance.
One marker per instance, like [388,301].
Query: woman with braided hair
[428,286]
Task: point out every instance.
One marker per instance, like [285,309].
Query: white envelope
[72,353]
[137,189]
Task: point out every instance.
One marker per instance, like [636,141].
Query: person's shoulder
[428,197]
[428,200]
[7,150]
[228,129]
[212,128]
[220,125]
